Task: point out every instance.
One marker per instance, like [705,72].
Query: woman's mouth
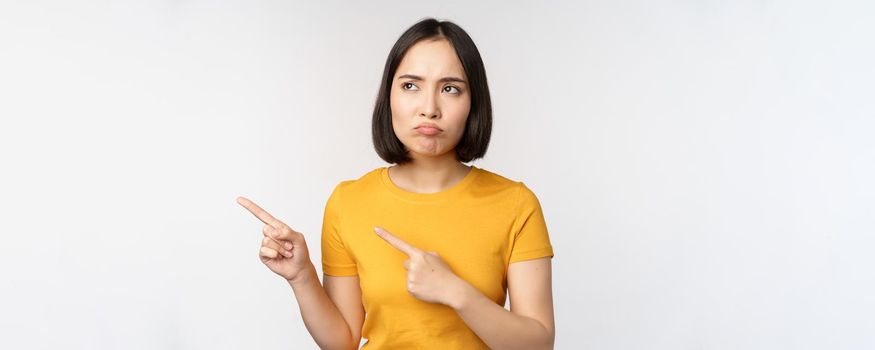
[428,130]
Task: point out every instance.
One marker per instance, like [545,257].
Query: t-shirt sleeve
[531,240]
[336,259]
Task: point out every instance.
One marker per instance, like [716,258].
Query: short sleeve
[336,259]
[531,240]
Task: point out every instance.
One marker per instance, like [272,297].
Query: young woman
[419,255]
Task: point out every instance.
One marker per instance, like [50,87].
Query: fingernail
[288,246]
[377,229]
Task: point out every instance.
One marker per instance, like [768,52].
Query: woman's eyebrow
[444,79]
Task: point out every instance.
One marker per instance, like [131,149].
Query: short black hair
[478,127]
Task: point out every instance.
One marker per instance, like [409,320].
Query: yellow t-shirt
[478,226]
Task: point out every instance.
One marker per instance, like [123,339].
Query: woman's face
[430,87]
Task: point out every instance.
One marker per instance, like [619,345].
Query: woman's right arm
[322,317]
[327,312]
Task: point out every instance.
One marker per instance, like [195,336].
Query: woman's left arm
[528,324]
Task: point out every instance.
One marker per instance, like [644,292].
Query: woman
[425,248]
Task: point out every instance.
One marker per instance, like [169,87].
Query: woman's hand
[283,250]
[429,278]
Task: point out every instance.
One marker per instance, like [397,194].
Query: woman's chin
[427,153]
[426,148]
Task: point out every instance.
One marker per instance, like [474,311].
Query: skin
[429,85]
[440,94]
[334,315]
[429,278]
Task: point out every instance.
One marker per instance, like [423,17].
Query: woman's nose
[429,107]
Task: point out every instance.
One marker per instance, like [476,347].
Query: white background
[705,167]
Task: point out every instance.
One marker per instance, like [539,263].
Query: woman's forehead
[432,60]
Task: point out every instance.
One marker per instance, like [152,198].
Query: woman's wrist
[304,277]
[461,295]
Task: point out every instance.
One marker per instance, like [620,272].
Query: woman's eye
[447,89]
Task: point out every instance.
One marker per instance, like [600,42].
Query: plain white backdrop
[705,167]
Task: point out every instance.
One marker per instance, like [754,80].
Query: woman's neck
[429,174]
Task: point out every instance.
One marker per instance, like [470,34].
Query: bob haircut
[478,127]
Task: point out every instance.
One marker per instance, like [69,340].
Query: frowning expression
[430,99]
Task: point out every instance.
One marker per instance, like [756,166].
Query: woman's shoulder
[484,181]
[491,178]
[517,191]
[492,183]
[494,177]
[521,191]
[367,180]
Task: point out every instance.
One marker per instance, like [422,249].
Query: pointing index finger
[261,214]
[396,242]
